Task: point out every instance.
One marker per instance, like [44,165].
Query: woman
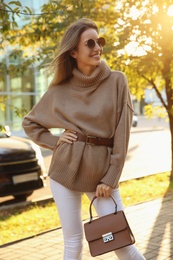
[93,105]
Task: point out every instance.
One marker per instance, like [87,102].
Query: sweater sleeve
[121,139]
[37,123]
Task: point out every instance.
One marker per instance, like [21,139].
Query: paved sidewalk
[151,222]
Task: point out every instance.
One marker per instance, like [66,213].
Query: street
[149,153]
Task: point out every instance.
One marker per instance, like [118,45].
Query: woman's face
[87,58]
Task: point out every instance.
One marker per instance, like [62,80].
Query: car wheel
[23,196]
[135,124]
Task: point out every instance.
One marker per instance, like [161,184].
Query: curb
[22,204]
[149,129]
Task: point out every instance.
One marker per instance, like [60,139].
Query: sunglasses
[91,43]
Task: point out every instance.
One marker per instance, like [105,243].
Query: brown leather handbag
[108,233]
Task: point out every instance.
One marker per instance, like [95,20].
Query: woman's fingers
[68,137]
[103,190]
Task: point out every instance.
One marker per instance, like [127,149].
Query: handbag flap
[110,223]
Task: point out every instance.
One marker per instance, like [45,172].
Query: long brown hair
[63,64]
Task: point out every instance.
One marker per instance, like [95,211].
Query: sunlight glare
[133,48]
[170,11]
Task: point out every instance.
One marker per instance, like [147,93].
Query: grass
[28,221]
[146,188]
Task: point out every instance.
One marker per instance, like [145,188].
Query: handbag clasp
[108,237]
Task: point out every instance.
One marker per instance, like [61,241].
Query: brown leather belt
[93,140]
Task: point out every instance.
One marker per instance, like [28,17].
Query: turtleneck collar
[101,72]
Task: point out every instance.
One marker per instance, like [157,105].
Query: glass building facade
[20,93]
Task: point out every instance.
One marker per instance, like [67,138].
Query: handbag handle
[90,208]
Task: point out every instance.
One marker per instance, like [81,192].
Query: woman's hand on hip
[68,136]
[103,190]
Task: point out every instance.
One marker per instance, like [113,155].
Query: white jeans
[68,204]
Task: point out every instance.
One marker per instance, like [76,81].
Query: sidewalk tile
[151,223]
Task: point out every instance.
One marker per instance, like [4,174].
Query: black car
[21,166]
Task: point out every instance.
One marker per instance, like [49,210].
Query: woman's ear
[73,54]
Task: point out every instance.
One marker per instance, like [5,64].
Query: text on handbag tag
[108,237]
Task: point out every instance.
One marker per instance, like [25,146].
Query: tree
[147,27]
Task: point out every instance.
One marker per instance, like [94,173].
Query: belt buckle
[89,137]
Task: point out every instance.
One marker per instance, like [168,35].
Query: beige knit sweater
[97,105]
